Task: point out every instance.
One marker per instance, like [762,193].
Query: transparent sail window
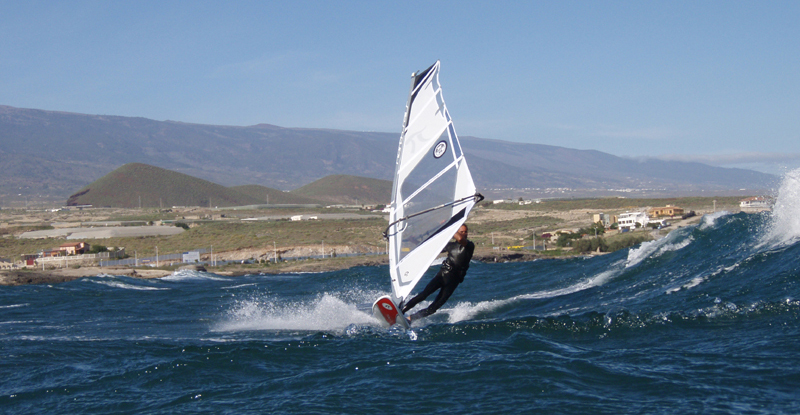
[419,228]
[436,159]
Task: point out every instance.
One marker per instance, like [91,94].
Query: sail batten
[433,190]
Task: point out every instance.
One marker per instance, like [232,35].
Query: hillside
[269,195]
[49,154]
[563,167]
[350,190]
[140,185]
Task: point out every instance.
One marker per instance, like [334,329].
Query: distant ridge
[46,155]
[349,190]
[140,185]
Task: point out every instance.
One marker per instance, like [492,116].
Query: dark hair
[465,225]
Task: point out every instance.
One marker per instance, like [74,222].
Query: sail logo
[439,150]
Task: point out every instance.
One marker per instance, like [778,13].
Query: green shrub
[567,239]
[611,244]
[96,249]
[591,245]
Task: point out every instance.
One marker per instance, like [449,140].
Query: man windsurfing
[452,273]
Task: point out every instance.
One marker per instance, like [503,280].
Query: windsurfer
[452,273]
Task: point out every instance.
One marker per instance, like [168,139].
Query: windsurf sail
[433,191]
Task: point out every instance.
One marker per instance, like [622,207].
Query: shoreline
[59,275]
[18,277]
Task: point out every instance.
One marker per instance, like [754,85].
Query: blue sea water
[704,320]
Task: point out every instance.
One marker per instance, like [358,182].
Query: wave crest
[784,228]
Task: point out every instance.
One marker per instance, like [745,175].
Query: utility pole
[156,256]
[274,247]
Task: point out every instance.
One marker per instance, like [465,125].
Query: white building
[758,203]
[6,264]
[628,220]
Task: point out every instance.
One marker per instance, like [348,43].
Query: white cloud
[734,158]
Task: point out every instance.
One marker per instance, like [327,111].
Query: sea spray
[709,221]
[326,312]
[784,228]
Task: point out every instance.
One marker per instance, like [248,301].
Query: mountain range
[50,154]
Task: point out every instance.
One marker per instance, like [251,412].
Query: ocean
[705,320]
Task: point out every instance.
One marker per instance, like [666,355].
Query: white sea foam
[126,286]
[325,313]
[14,305]
[694,282]
[673,242]
[784,227]
[709,221]
[644,251]
[234,287]
[184,275]
[654,249]
[677,246]
[467,310]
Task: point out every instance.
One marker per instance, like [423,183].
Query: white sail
[433,190]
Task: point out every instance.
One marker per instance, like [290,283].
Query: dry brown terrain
[493,229]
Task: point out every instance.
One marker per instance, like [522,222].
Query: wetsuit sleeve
[469,251]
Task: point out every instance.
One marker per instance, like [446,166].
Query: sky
[710,81]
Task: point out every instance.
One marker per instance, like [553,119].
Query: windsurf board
[387,312]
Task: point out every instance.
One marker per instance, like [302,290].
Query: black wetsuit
[452,273]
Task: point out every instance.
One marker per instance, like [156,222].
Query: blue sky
[712,81]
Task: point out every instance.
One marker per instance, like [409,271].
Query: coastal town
[81,241]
